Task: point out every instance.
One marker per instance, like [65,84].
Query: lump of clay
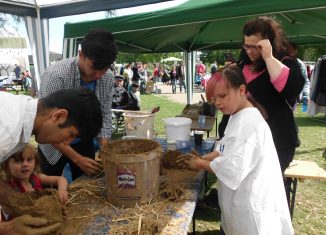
[42,203]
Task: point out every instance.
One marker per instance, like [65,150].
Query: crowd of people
[72,119]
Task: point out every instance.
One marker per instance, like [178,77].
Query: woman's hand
[265,48]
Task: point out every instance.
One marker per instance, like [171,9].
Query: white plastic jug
[139,124]
[177,128]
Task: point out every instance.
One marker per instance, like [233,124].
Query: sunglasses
[251,47]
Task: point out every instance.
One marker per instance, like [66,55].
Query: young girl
[22,172]
[251,192]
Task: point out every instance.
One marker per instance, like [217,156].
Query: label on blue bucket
[126,178]
[183,144]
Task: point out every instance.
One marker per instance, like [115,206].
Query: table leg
[194,223]
[293,191]
[205,182]
[216,126]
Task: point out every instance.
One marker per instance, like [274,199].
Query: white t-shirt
[251,190]
[17,115]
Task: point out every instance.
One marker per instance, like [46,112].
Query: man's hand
[27,225]
[89,166]
[103,142]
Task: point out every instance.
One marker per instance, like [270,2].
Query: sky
[57,24]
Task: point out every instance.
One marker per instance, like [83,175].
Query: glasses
[251,47]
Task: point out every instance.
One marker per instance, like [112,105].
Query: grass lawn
[310,209]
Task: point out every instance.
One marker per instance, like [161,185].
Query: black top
[278,105]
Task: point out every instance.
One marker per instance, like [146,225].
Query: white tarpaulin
[37,12]
[171,59]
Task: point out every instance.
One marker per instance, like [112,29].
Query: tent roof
[58,8]
[209,24]
[171,59]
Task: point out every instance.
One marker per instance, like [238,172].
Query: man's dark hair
[99,46]
[84,109]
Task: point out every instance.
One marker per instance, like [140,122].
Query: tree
[311,52]
[6,19]
[208,57]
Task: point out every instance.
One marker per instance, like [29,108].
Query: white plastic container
[177,128]
[139,124]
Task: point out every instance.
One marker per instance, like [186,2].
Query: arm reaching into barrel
[195,162]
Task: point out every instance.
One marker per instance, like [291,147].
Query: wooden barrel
[132,169]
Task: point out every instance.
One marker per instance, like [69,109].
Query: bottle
[304,107]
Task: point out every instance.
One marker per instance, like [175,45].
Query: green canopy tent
[207,24]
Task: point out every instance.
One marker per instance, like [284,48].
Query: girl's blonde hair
[28,150]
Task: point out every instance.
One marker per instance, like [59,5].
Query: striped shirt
[65,74]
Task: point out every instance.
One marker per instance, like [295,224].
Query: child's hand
[191,160]
[62,189]
[63,196]
[194,162]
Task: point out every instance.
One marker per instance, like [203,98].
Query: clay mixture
[87,204]
[44,203]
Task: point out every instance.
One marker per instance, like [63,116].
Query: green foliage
[7,19]
[208,57]
[305,52]
[149,58]
[167,109]
[311,52]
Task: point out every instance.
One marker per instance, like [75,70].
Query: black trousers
[84,148]
[285,157]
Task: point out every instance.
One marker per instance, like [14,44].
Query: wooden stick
[139,224]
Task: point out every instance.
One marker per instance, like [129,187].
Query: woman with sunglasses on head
[274,80]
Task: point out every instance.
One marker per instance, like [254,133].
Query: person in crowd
[22,172]
[56,118]
[127,74]
[166,77]
[135,71]
[17,71]
[251,193]
[90,69]
[156,73]
[143,77]
[274,80]
[214,67]
[27,80]
[120,94]
[173,79]
[181,76]
[309,71]
[122,68]
[293,52]
[200,72]
[134,98]
[229,59]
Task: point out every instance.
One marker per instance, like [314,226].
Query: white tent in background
[171,59]
[37,12]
